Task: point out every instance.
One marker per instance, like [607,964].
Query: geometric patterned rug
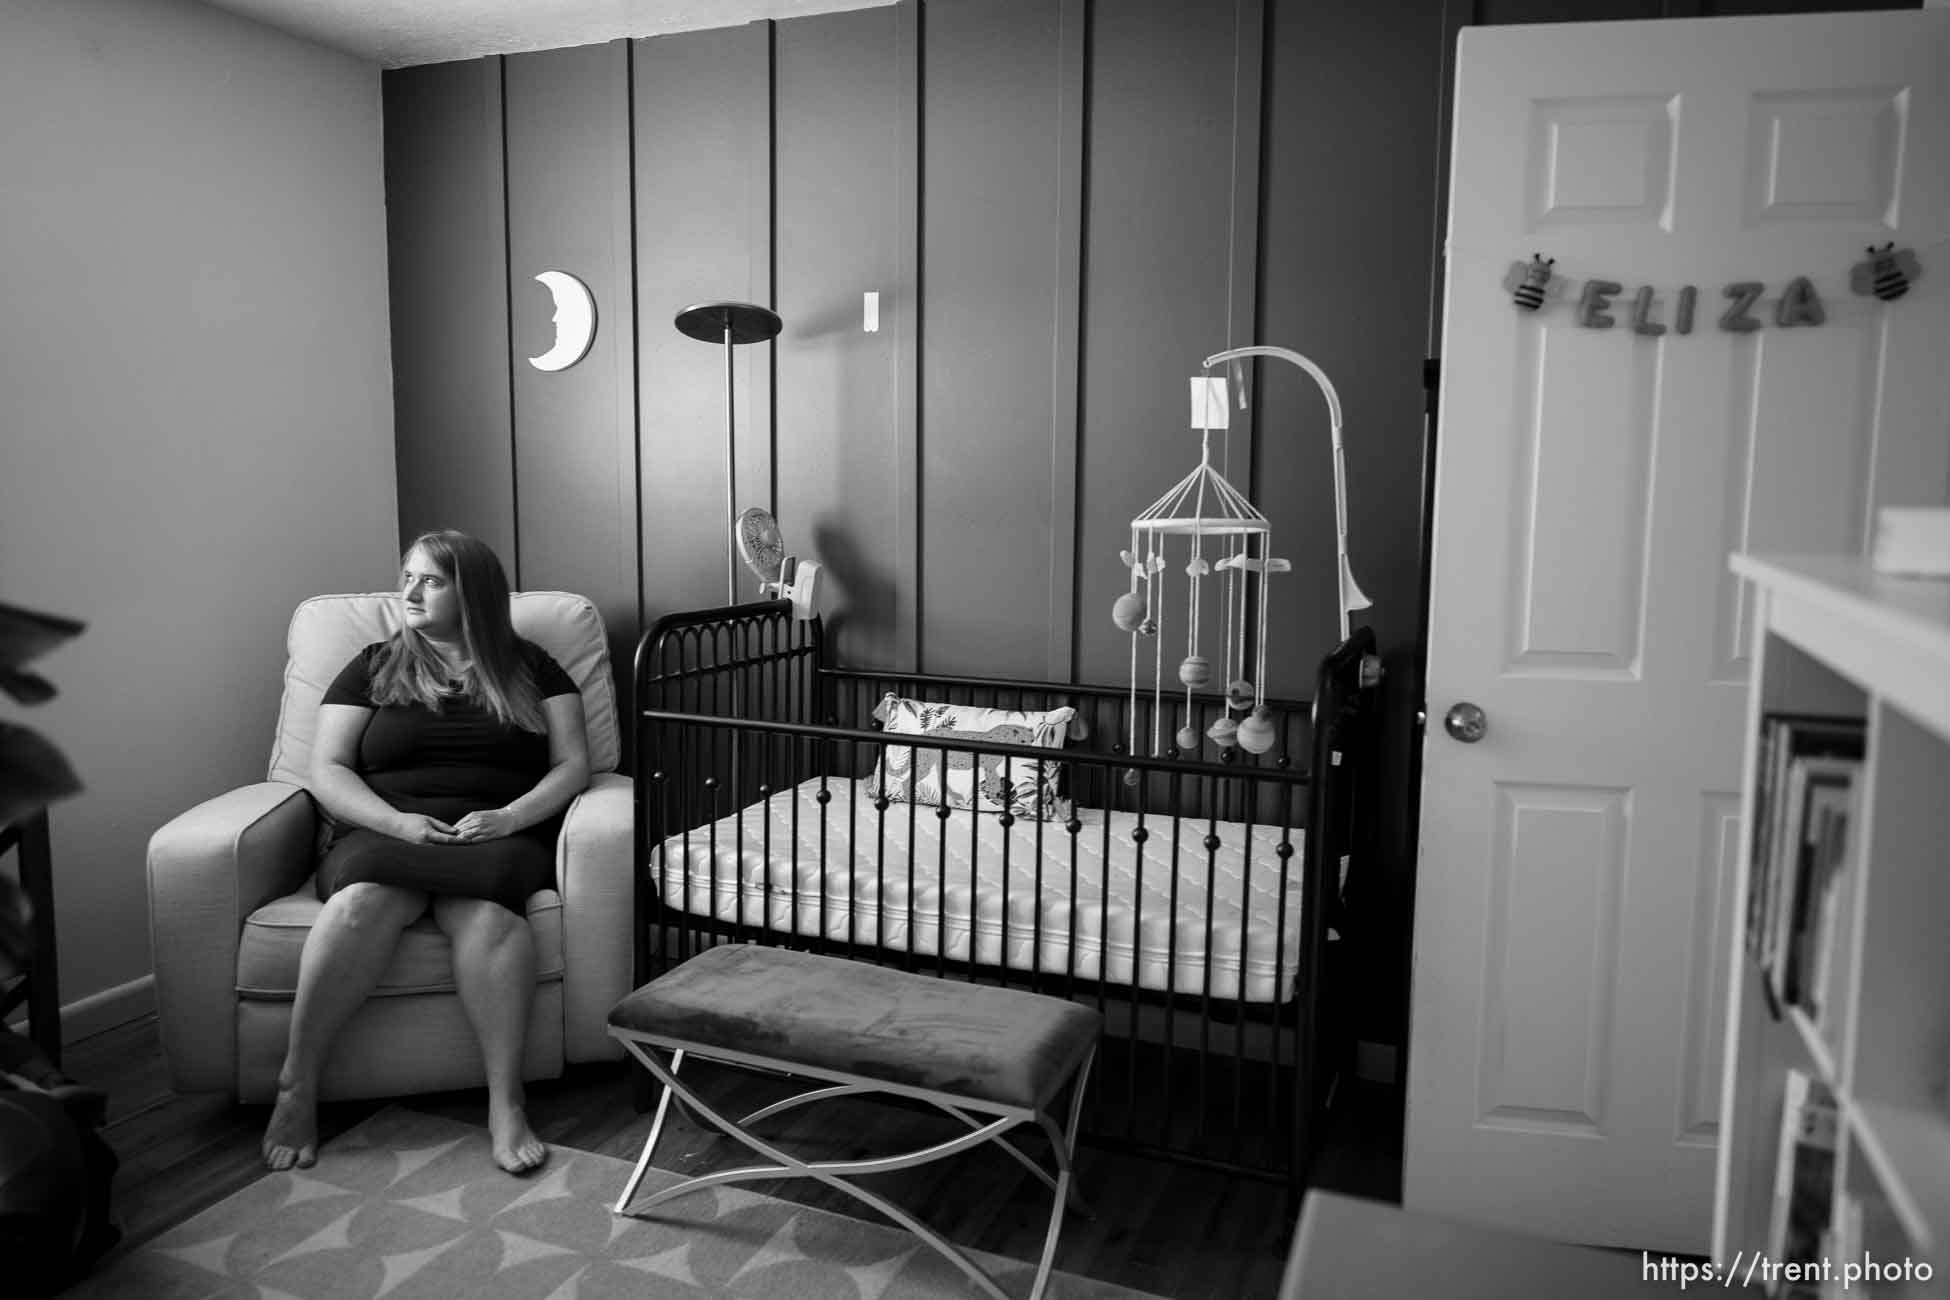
[409,1206]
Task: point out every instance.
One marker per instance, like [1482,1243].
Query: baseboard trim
[1375,1062]
[102,1010]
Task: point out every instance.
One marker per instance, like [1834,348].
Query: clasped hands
[473,828]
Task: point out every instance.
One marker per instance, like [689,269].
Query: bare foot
[291,1138]
[516,1148]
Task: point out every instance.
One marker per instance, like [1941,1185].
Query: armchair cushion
[274,937]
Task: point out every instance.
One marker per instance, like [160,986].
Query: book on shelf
[1804,1181]
[1844,1243]
[1862,1231]
[1816,805]
[1820,953]
[1797,753]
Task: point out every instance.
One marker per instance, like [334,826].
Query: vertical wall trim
[1250,50]
[1249,46]
[762,388]
[1066,342]
[499,63]
[1262,161]
[630,393]
[907,318]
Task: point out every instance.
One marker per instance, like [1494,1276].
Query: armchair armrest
[209,868]
[593,873]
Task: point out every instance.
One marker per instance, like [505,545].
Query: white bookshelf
[1831,636]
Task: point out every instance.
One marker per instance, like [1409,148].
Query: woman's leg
[494,969]
[345,953]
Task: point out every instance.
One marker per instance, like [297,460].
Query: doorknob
[1465,722]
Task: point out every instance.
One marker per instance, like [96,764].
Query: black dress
[446,763]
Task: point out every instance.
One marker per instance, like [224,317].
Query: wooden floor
[1177,1232]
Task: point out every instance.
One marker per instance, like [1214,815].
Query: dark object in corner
[56,1173]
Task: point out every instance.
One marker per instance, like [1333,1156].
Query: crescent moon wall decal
[575,321]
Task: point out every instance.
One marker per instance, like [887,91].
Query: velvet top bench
[994,1058]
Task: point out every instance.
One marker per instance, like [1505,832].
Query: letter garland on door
[1599,301]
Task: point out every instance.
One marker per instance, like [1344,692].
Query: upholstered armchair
[231,898]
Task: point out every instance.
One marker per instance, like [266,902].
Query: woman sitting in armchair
[444,759]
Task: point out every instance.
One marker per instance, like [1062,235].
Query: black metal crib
[1224,1041]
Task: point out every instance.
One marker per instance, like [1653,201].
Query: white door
[1571,953]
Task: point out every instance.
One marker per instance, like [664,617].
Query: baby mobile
[1201,506]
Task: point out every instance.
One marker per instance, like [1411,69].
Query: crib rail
[1210,1060]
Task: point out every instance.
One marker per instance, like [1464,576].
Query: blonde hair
[410,671]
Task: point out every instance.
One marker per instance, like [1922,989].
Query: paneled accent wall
[703,125]
[1339,269]
[1001,235]
[568,142]
[447,272]
[1063,207]
[1171,170]
[844,113]
[1058,206]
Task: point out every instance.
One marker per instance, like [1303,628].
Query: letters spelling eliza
[1797,305]
[1533,284]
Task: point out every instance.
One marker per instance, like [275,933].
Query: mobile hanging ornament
[1887,272]
[1203,507]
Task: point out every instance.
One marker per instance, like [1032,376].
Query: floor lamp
[729,323]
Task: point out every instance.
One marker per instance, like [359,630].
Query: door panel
[1602,161]
[1580,595]
[1550,997]
[1707,969]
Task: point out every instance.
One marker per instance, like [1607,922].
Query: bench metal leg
[834,1173]
[861,1089]
[1076,1202]
[1065,1189]
[650,1143]
[817,1094]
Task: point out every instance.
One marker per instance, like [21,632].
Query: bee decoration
[1886,273]
[1530,285]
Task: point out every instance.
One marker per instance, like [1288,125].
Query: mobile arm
[1351,596]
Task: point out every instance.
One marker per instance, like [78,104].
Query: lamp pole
[730,474]
[729,324]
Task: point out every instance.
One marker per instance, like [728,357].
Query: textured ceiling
[400,33]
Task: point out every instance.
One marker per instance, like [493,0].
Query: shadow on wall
[858,596]
[838,324]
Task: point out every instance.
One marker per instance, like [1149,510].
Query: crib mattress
[1168,913]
